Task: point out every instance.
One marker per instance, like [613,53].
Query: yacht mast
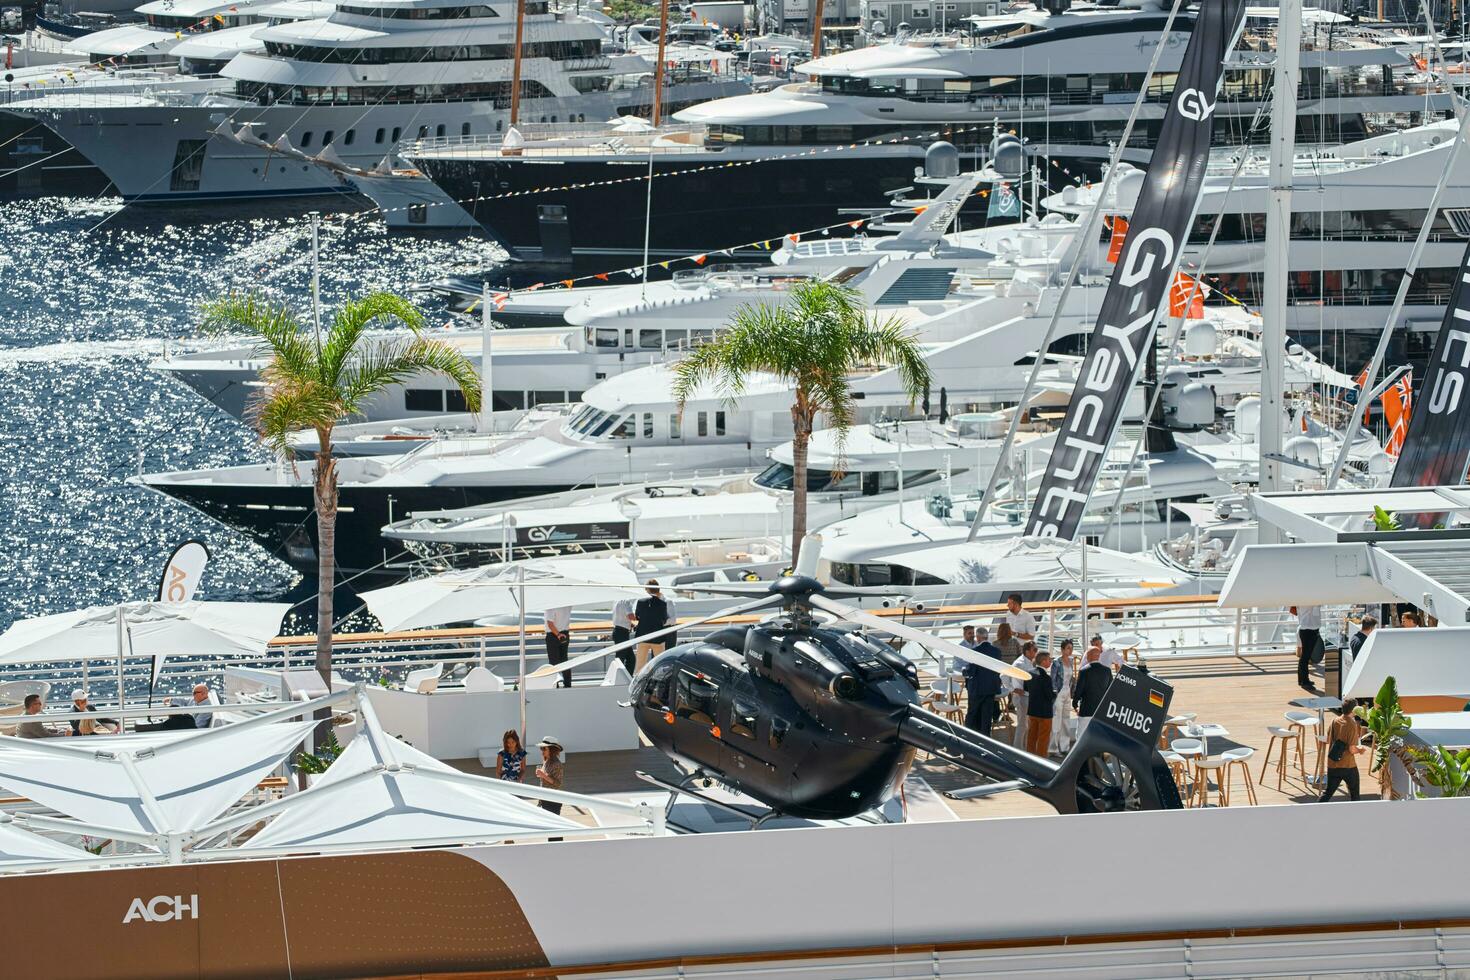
[485,422]
[1278,241]
[658,71]
[817,31]
[515,72]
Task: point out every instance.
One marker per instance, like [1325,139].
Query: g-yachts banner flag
[1141,278]
[1436,448]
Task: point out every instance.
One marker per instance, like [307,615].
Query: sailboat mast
[515,72]
[658,71]
[817,31]
[1278,241]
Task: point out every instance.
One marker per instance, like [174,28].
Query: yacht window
[675,424]
[423,132]
[306,139]
[703,424]
[327,137]
[547,397]
[499,123]
[349,137]
[742,719]
[628,337]
[603,425]
[418,214]
[719,423]
[423,400]
[605,338]
[397,132]
[464,129]
[697,337]
[626,429]
[573,397]
[779,476]
[648,425]
[454,401]
[379,135]
[651,339]
[505,401]
[697,698]
[439,130]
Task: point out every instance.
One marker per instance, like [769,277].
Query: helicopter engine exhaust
[1114,766]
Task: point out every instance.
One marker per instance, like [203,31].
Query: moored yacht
[373,73]
[800,156]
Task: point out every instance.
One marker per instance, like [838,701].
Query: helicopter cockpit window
[697,698]
[742,719]
[656,693]
[779,728]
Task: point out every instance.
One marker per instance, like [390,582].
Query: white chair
[483,679]
[1237,759]
[424,681]
[1300,722]
[542,683]
[1282,741]
[616,674]
[18,691]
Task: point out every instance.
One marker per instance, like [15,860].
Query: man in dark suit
[982,686]
[1365,630]
[1088,690]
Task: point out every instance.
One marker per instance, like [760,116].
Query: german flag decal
[1156,699]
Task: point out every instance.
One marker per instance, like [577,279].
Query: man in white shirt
[1309,638]
[1017,688]
[622,624]
[1023,624]
[558,622]
[1109,657]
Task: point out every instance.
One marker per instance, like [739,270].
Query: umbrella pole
[122,696]
[521,682]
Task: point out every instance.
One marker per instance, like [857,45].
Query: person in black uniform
[1089,687]
[982,686]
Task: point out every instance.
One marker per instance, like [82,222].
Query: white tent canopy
[19,848]
[493,590]
[384,791]
[1038,560]
[148,786]
[145,629]
[1422,662]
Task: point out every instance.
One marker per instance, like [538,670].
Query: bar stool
[1287,739]
[1179,769]
[1319,771]
[1238,758]
[1175,722]
[1300,722]
[1188,749]
[1202,769]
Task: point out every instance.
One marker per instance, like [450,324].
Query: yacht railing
[1172,628]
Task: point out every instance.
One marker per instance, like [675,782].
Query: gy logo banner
[1193,104]
[163,908]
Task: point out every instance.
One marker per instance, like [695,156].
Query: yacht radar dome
[941,160]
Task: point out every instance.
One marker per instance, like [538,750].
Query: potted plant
[313,765]
[1388,725]
[1447,770]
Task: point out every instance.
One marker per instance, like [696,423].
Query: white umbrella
[145,629]
[492,590]
[511,588]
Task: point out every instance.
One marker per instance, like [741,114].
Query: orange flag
[1362,392]
[1398,405]
[1119,227]
[1184,299]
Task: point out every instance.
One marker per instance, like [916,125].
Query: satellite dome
[1196,405]
[941,159]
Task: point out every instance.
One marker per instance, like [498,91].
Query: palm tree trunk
[801,425]
[325,492]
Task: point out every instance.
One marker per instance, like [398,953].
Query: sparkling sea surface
[84,309]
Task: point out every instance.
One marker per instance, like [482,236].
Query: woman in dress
[510,761]
[1064,722]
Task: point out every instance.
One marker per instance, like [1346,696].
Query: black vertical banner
[1141,278]
[1437,445]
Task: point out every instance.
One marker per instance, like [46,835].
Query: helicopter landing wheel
[1106,784]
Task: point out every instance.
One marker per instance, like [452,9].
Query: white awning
[493,590]
[155,629]
[176,784]
[1040,560]
[19,848]
[383,791]
[1423,662]
[1272,576]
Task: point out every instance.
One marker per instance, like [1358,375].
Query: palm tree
[317,383]
[1388,725]
[812,342]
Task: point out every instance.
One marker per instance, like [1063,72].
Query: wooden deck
[1244,698]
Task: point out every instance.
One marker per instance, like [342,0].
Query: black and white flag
[1437,446]
[1126,320]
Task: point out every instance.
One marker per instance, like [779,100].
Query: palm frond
[275,324]
[284,409]
[384,363]
[356,317]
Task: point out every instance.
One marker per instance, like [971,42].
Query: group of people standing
[1054,705]
[653,613]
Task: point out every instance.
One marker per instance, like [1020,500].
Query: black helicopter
[820,722]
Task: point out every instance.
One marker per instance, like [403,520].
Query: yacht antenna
[515,74]
[658,70]
[1278,245]
[316,280]
[485,421]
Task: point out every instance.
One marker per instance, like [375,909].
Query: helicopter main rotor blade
[854,615]
[769,599]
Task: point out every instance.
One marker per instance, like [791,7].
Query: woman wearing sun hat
[550,772]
